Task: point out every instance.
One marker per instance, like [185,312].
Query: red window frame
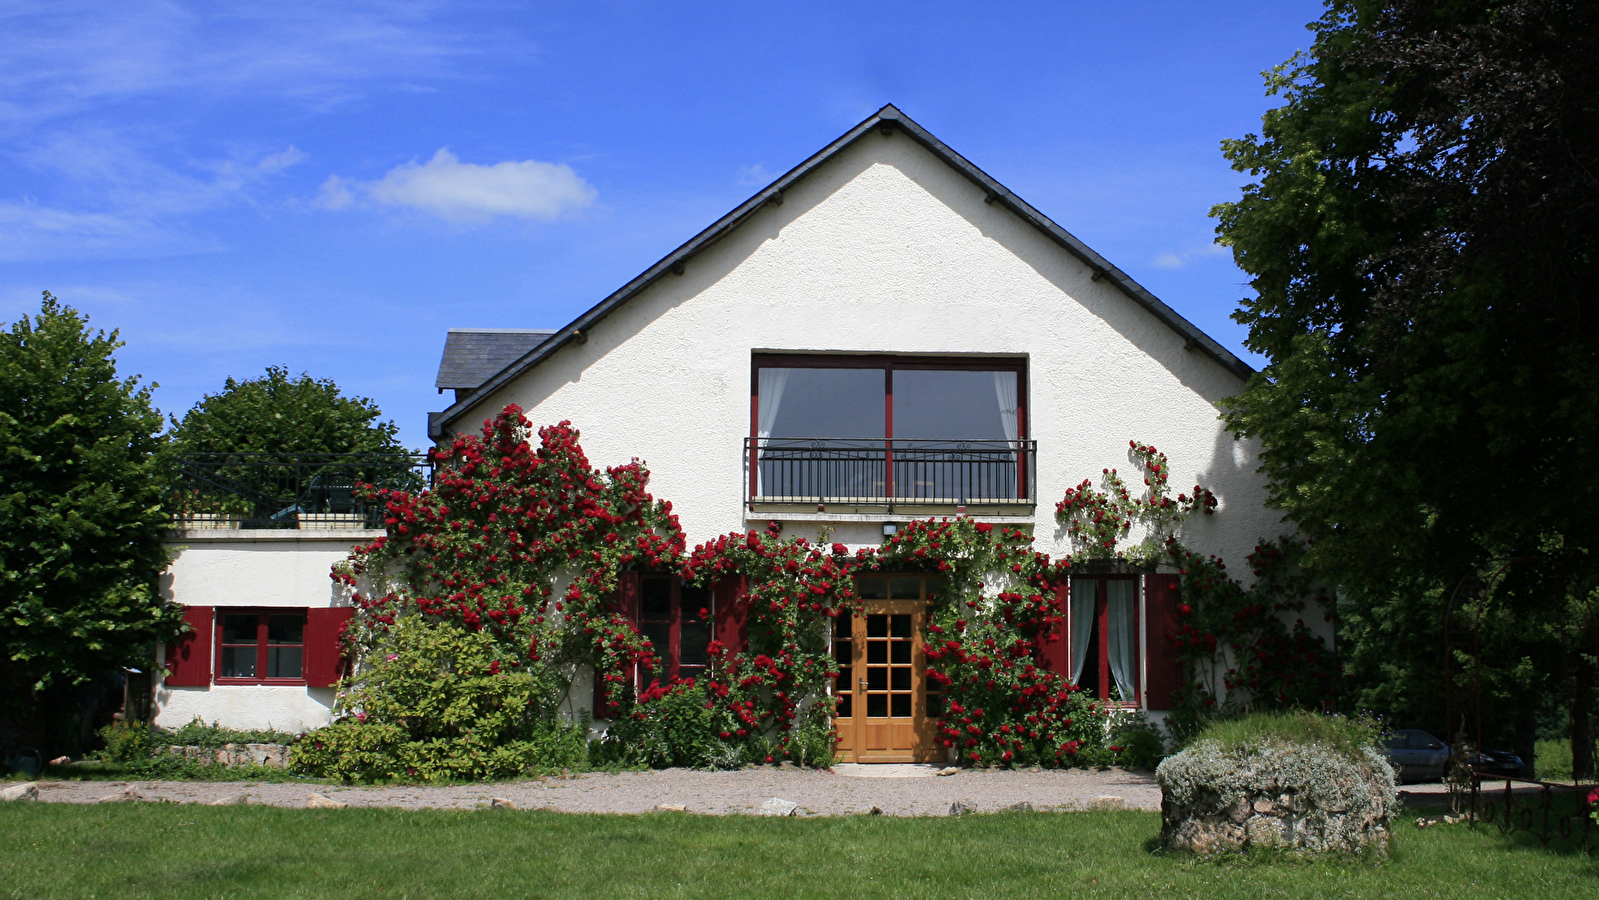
[670,624]
[261,644]
[1102,623]
[888,363]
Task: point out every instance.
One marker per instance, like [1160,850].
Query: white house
[886,333]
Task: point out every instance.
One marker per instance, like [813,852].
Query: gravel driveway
[846,790]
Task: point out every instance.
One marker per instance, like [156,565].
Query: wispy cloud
[1181,259]
[467,192]
[754,176]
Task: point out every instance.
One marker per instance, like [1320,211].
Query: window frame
[888,363]
[1102,624]
[262,615]
[673,653]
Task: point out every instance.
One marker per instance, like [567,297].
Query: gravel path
[907,791]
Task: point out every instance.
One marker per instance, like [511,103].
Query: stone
[949,770]
[875,811]
[777,806]
[501,803]
[128,794]
[1108,801]
[28,790]
[1023,806]
[670,807]
[317,801]
[959,809]
[61,761]
[233,800]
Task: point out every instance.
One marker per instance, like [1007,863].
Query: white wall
[886,249]
[247,568]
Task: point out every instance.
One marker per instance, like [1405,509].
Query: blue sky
[330,186]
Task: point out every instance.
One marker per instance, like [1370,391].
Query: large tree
[283,414]
[81,521]
[1423,243]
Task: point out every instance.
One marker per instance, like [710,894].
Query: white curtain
[1084,597]
[1122,599]
[771,386]
[1005,391]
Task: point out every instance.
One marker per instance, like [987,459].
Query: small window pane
[844,652]
[846,709]
[872,588]
[906,588]
[283,662]
[877,706]
[876,679]
[656,600]
[238,662]
[900,626]
[843,628]
[902,706]
[286,629]
[660,636]
[901,653]
[696,602]
[901,679]
[695,638]
[877,652]
[239,629]
[845,680]
[877,626]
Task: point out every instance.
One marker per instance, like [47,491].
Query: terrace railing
[876,472]
[288,490]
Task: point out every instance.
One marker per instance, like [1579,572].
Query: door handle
[861,683]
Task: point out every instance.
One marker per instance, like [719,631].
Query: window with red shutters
[676,618]
[1103,650]
[324,645]
[1163,665]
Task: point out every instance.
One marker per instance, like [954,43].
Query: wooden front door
[881,690]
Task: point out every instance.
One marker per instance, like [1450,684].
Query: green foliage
[677,726]
[1141,744]
[81,523]
[1351,737]
[1422,235]
[432,702]
[139,750]
[279,414]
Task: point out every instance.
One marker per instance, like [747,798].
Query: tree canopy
[281,414]
[81,522]
[1422,238]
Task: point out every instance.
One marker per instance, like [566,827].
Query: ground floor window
[1103,626]
[676,618]
[259,646]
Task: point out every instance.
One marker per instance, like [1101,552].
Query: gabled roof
[888,118]
[474,355]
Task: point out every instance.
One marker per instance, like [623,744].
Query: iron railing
[1549,811]
[288,490]
[876,472]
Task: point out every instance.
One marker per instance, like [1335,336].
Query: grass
[193,852]
[1344,735]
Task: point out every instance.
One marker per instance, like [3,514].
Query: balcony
[287,490]
[885,474]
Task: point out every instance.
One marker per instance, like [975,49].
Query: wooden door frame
[926,747]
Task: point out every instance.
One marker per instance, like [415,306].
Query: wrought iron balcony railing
[288,490]
[876,472]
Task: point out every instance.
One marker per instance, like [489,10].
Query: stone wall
[1301,798]
[273,756]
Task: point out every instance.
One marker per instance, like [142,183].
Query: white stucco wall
[885,249]
[241,568]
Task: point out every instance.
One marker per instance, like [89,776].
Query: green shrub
[1142,746]
[1348,736]
[434,704]
[128,742]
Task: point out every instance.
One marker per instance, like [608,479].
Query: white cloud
[754,176]
[1170,260]
[467,192]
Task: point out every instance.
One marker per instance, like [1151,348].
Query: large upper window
[862,427]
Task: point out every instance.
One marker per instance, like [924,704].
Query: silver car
[1417,755]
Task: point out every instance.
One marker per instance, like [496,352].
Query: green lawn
[194,852]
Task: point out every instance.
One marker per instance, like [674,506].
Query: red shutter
[1164,667]
[189,655]
[324,651]
[626,602]
[731,614]
[1054,652]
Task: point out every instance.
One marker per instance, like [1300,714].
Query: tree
[1423,241]
[276,413]
[81,521]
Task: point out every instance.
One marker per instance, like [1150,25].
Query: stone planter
[273,756]
[1295,797]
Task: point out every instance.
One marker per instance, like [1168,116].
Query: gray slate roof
[474,355]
